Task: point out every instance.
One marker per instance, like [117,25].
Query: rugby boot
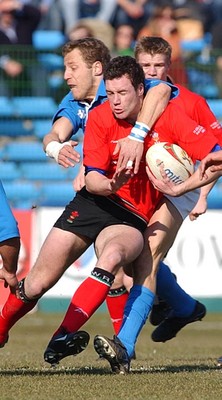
[114,352]
[219,362]
[64,345]
[159,312]
[169,328]
[3,340]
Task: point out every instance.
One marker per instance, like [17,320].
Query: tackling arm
[58,146]
[131,148]
[98,183]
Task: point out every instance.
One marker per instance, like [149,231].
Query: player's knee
[22,293]
[31,289]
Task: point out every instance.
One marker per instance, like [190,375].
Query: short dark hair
[125,65]
[92,50]
[153,45]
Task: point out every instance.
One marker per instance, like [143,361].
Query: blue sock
[168,289]
[136,311]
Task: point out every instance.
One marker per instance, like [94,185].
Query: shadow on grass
[25,371]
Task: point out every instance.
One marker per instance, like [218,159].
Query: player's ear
[141,89]
[97,68]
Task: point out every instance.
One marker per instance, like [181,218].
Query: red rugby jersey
[197,108]
[101,135]
[103,131]
[175,126]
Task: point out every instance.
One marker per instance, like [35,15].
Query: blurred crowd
[117,22]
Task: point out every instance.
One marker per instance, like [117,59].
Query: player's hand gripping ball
[176,163]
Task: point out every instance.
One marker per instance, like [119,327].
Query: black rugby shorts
[89,214]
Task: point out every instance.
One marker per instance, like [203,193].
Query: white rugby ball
[178,166]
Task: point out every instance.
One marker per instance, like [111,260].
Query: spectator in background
[124,40]
[132,12]
[163,24]
[216,44]
[18,21]
[51,18]
[80,31]
[73,10]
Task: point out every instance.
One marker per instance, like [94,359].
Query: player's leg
[117,298]
[112,251]
[185,309]
[159,236]
[59,251]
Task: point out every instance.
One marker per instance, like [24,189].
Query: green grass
[183,368]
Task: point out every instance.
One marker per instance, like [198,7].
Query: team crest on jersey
[73,215]
[155,136]
[81,114]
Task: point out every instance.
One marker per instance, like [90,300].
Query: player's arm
[98,183]
[166,186]
[79,180]
[212,162]
[201,205]
[9,251]
[131,148]
[57,145]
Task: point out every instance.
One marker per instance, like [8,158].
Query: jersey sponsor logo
[216,125]
[199,129]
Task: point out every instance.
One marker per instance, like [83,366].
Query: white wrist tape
[139,132]
[53,148]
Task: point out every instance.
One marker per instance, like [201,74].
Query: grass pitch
[182,369]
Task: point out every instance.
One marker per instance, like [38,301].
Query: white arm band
[139,132]
[53,148]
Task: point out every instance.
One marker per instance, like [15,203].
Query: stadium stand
[6,107]
[32,178]
[22,195]
[9,171]
[24,151]
[34,107]
[16,127]
[216,107]
[41,127]
[56,194]
[41,171]
[48,39]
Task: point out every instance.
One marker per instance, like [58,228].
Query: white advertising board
[195,258]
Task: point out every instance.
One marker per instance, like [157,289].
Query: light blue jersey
[8,223]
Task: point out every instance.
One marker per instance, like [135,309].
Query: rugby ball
[178,166]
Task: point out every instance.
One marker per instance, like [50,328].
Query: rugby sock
[12,311]
[168,289]
[87,298]
[116,301]
[137,309]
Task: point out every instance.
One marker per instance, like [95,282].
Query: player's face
[154,67]
[79,77]
[125,101]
